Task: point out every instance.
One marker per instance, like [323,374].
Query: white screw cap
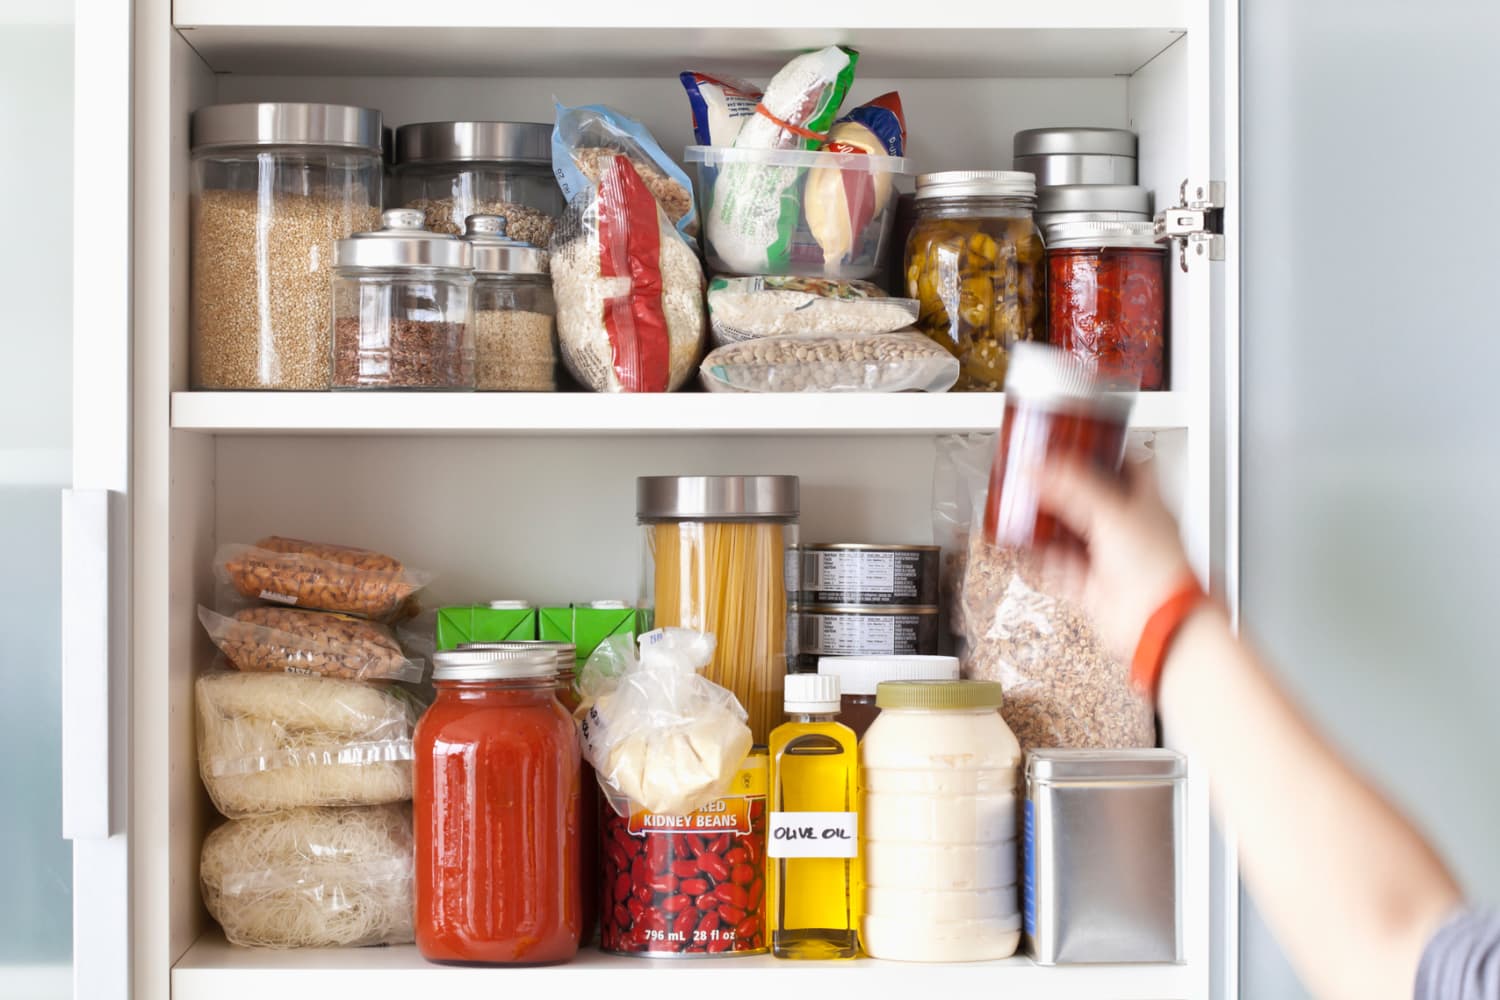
[811,694]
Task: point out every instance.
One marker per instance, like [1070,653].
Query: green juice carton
[497,621]
[587,625]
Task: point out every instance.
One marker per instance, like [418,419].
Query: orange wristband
[1156,637]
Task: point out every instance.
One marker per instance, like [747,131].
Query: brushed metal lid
[1105,765]
[286,124]
[402,242]
[688,498]
[494,252]
[493,664]
[976,183]
[1061,235]
[566,652]
[1073,140]
[1094,198]
[447,142]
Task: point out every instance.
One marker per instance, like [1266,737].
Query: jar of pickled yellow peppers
[974,261]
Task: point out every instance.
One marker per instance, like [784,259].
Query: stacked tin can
[863,600]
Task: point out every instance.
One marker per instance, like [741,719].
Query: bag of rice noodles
[308,878]
[280,741]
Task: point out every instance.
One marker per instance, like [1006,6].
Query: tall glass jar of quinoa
[975,263]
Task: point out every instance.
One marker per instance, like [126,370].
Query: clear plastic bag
[293,641]
[1062,688]
[903,361]
[629,289]
[777,306]
[268,742]
[307,878]
[320,576]
[658,733]
[587,140]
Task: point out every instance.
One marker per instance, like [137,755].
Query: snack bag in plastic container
[658,733]
[721,106]
[840,204]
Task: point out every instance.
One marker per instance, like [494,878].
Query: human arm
[1350,888]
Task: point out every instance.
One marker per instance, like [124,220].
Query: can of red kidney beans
[689,886]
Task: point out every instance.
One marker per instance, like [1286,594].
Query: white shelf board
[1066,38]
[592,414]
[214,970]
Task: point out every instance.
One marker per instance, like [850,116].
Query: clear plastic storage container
[402,308]
[776,211]
[515,328]
[273,187]
[715,558]
[452,170]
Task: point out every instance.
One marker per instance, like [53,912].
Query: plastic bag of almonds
[293,641]
[902,361]
[320,576]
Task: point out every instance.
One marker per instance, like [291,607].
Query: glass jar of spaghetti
[496,812]
[1107,298]
[1054,405]
[715,558]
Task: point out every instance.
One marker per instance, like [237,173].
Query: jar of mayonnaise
[938,770]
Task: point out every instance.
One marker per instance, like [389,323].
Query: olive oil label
[813,835]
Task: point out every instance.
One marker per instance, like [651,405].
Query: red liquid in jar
[1108,306]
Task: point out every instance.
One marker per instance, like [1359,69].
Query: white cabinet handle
[86,664]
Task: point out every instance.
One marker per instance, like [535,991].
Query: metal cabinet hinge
[1196,223]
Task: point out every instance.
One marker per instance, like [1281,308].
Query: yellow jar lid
[939,695]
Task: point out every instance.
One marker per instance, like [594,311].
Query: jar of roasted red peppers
[1055,405]
[1107,298]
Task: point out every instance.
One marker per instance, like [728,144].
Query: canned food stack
[864,600]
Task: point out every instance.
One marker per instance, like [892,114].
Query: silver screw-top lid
[1074,141]
[1064,235]
[402,243]
[493,664]
[494,252]
[447,142]
[716,498]
[1049,376]
[976,183]
[1094,198]
[285,124]
[566,652]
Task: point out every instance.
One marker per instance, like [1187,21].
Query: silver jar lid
[1074,141]
[1094,198]
[1064,235]
[498,142]
[220,126]
[565,652]
[1049,376]
[1106,765]
[494,252]
[976,183]
[691,498]
[493,664]
[402,243]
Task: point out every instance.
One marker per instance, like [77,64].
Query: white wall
[1371,475]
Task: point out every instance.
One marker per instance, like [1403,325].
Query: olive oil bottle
[812,864]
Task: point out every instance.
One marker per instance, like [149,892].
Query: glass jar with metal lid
[515,334]
[1091,203]
[496,810]
[273,187]
[716,557]
[1107,301]
[974,263]
[402,308]
[452,170]
[1075,155]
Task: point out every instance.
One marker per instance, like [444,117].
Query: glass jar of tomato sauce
[1055,404]
[496,812]
[1107,298]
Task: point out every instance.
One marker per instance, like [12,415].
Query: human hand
[1133,558]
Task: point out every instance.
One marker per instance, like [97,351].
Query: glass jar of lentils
[515,337]
[273,187]
[402,313]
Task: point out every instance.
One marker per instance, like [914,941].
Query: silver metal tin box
[1104,840]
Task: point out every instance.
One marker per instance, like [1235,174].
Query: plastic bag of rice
[268,742]
[308,878]
[902,361]
[778,306]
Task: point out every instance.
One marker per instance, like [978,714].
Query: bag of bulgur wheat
[1062,687]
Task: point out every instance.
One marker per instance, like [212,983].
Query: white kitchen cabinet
[533,496]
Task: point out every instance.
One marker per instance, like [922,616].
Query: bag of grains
[293,641]
[321,576]
[903,361]
[773,306]
[629,288]
[585,142]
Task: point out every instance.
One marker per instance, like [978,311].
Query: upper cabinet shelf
[1063,38]
[593,414]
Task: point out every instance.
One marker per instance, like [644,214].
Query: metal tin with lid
[976,183]
[821,630]
[447,142]
[1104,847]
[401,242]
[1073,155]
[716,498]
[858,573]
[223,126]
[488,664]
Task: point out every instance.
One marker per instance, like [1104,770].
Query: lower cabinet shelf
[214,970]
